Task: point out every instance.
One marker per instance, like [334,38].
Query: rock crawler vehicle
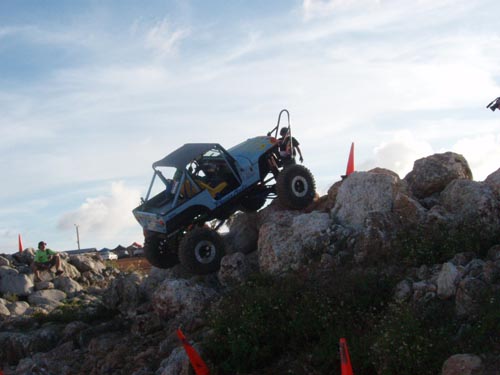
[203,182]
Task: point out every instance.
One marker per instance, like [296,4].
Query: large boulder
[473,203]
[4,261]
[470,293]
[4,311]
[67,285]
[234,269]
[17,345]
[375,204]
[18,308]
[180,297]
[86,263]
[363,193]
[124,294]
[447,281]
[463,364]
[48,299]
[13,282]
[432,174]
[287,242]
[493,180]
[243,233]
[176,363]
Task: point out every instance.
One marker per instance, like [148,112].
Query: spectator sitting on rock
[45,259]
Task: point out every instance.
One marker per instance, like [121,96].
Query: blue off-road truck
[203,182]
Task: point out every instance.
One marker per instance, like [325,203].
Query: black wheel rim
[299,186]
[205,252]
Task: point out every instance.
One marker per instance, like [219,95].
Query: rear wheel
[201,251]
[160,252]
[295,187]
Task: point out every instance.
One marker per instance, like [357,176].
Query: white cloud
[399,154]
[163,39]
[106,219]
[482,153]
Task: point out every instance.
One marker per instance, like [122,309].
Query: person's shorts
[46,265]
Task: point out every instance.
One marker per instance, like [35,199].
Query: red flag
[200,368]
[20,245]
[350,162]
[345,360]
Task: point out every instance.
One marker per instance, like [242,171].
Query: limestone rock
[463,364]
[287,242]
[469,293]
[48,299]
[234,269]
[124,294]
[4,261]
[362,193]
[446,282]
[12,282]
[67,285]
[18,308]
[86,263]
[177,363]
[473,203]
[432,174]
[181,297]
[493,180]
[243,233]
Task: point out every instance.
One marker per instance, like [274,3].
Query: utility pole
[77,236]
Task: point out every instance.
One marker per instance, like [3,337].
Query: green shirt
[43,256]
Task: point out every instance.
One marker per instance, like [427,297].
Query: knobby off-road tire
[160,252]
[295,187]
[201,251]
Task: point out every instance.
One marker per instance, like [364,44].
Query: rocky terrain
[435,234]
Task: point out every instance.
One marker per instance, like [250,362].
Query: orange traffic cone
[350,162]
[20,243]
[345,360]
[200,368]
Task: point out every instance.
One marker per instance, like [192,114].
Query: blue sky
[93,92]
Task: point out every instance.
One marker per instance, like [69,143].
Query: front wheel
[201,251]
[295,187]
[160,252]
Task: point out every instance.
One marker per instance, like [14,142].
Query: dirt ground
[133,264]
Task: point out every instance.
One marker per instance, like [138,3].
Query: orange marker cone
[20,245]
[200,368]
[350,162]
[345,360]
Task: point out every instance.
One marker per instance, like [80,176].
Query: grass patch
[268,317]
[299,320]
[432,244]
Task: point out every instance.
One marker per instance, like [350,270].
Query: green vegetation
[74,310]
[301,318]
[268,317]
[11,297]
[438,243]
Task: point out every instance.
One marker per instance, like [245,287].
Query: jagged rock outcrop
[181,297]
[463,364]
[13,282]
[432,174]
[363,222]
[290,239]
[124,294]
[243,233]
[236,268]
